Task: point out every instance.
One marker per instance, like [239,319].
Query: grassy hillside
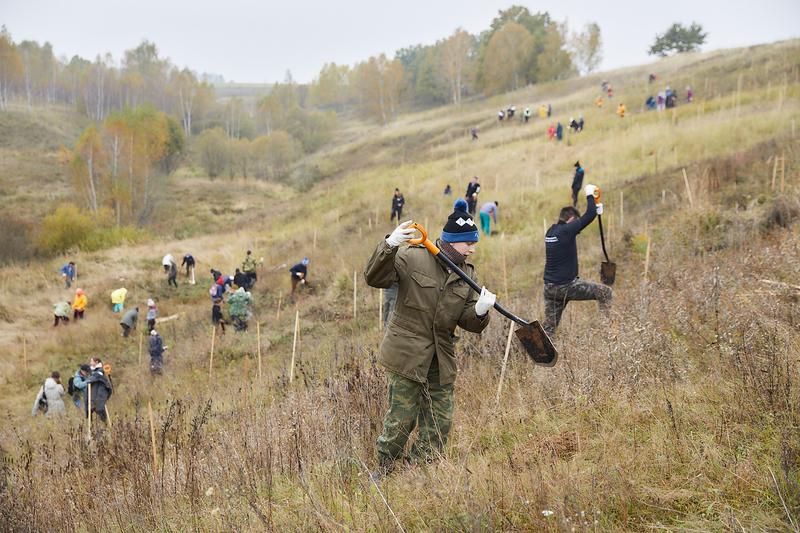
[678,412]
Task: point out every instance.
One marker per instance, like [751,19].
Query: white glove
[485,302]
[600,209]
[590,190]
[402,233]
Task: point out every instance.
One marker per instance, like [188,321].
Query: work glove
[600,209]
[485,302]
[590,190]
[402,233]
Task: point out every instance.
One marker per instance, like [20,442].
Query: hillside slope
[678,412]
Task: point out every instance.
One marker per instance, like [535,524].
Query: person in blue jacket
[68,273]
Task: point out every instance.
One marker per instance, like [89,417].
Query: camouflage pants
[557,296]
[427,405]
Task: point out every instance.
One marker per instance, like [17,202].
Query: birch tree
[454,57]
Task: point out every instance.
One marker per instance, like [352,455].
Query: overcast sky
[257,41]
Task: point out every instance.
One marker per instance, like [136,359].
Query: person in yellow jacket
[79,304]
[621,110]
[542,111]
[118,299]
[599,101]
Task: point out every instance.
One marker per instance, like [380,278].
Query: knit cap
[460,228]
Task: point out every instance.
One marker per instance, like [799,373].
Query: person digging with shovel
[417,349]
[561,281]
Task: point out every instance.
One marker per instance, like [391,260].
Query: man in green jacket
[417,349]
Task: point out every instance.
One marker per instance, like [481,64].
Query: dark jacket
[473,188]
[431,302]
[299,268]
[561,249]
[577,180]
[101,391]
[156,346]
[130,318]
[240,279]
[188,259]
[216,313]
[398,202]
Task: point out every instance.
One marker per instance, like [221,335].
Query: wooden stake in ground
[783,171]
[294,344]
[108,419]
[774,172]
[647,257]
[211,358]
[505,361]
[621,210]
[258,339]
[688,189]
[314,242]
[24,353]
[152,437]
[278,311]
[355,293]
[505,272]
[141,338]
[89,410]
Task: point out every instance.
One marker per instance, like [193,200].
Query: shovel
[608,269]
[531,334]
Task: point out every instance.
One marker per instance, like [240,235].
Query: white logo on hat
[468,222]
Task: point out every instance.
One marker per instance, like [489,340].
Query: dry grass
[673,415]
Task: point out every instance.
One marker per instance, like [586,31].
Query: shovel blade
[538,345]
[608,272]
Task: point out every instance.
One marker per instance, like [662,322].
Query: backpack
[107,369]
[42,405]
[71,390]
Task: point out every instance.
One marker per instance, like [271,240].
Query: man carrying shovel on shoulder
[417,349]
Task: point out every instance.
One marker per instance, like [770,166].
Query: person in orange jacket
[79,304]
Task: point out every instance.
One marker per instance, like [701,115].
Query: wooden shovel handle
[423,240]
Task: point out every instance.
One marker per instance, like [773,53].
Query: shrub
[213,151]
[68,227]
[64,229]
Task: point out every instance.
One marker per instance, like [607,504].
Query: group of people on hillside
[171,268]
[507,115]
[667,99]
[91,381]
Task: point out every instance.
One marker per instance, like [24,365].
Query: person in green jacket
[61,313]
[417,348]
[249,266]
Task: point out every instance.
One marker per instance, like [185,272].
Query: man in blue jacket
[561,281]
[68,273]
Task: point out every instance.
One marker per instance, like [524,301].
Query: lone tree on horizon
[679,38]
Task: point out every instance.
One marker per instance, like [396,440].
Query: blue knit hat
[460,227]
[460,205]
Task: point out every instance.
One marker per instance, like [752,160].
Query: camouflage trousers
[557,296]
[427,405]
